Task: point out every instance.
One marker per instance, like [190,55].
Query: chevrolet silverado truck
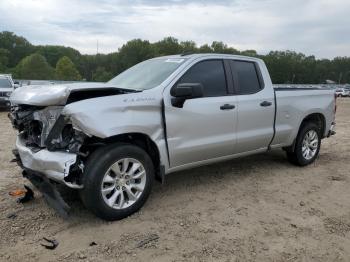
[110,141]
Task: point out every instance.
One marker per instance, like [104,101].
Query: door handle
[265,103]
[227,107]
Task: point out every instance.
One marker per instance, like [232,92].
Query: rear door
[256,107]
[203,128]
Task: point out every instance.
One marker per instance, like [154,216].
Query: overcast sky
[318,27]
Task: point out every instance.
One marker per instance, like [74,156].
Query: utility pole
[346,77]
[340,77]
[97,47]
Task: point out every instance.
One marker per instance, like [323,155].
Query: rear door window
[247,77]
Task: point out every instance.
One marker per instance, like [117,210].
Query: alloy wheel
[123,183]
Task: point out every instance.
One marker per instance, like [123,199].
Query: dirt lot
[258,208]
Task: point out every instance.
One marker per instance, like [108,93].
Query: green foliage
[220,47]
[284,66]
[292,67]
[101,75]
[188,46]
[133,52]
[35,67]
[65,70]
[4,54]
[18,47]
[53,53]
[167,46]
[252,53]
[205,49]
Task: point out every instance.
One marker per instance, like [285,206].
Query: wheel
[307,147]
[117,181]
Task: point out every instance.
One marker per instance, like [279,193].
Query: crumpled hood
[112,115]
[48,95]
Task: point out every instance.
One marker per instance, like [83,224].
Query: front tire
[307,146]
[117,181]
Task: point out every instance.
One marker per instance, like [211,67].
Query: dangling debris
[52,243]
[11,216]
[93,243]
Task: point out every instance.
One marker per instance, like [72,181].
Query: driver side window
[209,73]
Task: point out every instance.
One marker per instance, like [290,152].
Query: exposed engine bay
[45,127]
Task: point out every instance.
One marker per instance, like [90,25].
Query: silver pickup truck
[110,141]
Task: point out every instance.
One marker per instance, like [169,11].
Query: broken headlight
[64,136]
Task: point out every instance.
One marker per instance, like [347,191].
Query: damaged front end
[51,147]
[48,144]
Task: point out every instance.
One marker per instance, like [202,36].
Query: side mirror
[185,91]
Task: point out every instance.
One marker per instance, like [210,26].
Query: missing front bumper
[53,165]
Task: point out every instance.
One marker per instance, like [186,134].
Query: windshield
[5,83]
[147,74]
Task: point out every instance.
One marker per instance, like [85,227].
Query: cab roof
[212,55]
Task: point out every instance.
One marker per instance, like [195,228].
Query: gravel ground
[258,208]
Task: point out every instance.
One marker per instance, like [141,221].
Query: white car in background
[6,88]
[343,92]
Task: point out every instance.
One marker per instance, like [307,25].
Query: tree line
[27,61]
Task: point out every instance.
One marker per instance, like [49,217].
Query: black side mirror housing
[185,91]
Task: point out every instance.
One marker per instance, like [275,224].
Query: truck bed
[293,104]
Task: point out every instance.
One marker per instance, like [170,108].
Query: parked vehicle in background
[347,89]
[111,140]
[6,88]
[342,92]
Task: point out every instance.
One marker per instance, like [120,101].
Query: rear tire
[117,181]
[307,146]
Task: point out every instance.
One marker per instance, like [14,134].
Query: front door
[204,128]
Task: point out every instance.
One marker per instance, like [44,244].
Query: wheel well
[138,139]
[318,119]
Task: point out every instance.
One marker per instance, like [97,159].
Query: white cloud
[317,27]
